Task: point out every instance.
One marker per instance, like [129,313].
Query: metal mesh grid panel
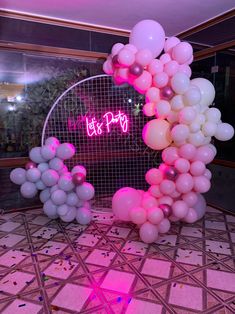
[113,159]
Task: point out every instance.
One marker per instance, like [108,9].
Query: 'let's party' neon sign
[104,125]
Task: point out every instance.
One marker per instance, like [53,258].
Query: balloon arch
[179,121]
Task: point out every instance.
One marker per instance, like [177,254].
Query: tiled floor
[51,267]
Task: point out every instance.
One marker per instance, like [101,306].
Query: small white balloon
[45,195]
[209,128]
[83,216]
[72,199]
[196,139]
[18,176]
[66,183]
[43,166]
[62,210]
[50,209]
[180,83]
[53,141]
[224,132]
[187,115]
[79,169]
[65,151]
[28,189]
[177,103]
[56,164]
[50,177]
[58,197]
[40,185]
[48,152]
[213,115]
[70,215]
[192,96]
[33,175]
[35,155]
[85,191]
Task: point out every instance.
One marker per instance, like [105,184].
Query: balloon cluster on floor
[64,194]
[182,125]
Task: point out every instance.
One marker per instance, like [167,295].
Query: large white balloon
[148,34]
[207,92]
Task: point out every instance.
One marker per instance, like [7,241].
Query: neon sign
[104,125]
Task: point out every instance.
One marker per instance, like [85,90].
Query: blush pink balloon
[155,66]
[126,57]
[207,174]
[191,216]
[165,200]
[184,183]
[148,232]
[197,168]
[170,43]
[160,80]
[201,184]
[175,194]
[123,200]
[154,190]
[180,209]
[149,109]
[182,165]
[143,82]
[180,132]
[182,52]
[200,206]
[165,57]
[138,215]
[169,155]
[184,68]
[187,151]
[155,215]
[152,94]
[204,154]
[148,202]
[144,57]
[122,75]
[190,198]
[154,176]
[171,67]
[108,67]
[164,226]
[116,48]
[167,187]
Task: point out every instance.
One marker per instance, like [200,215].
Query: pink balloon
[169,155]
[148,232]
[123,200]
[148,34]
[138,215]
[144,57]
[180,209]
[165,58]
[149,109]
[149,201]
[122,75]
[182,52]
[182,165]
[165,200]
[164,226]
[160,80]
[108,67]
[197,168]
[143,82]
[191,216]
[171,68]
[201,184]
[154,190]
[187,151]
[170,43]
[207,174]
[152,94]
[126,57]
[155,215]
[180,132]
[167,187]
[116,48]
[175,194]
[200,206]
[190,198]
[154,176]
[131,48]
[204,154]
[184,183]
[155,66]
[184,68]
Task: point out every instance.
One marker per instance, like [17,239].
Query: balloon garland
[64,194]
[182,126]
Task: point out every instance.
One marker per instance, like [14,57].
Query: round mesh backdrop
[110,146]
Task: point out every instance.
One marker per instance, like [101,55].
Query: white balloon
[187,115]
[48,152]
[194,127]
[33,175]
[45,195]
[66,183]
[177,103]
[58,197]
[180,132]
[83,216]
[62,210]
[72,199]
[18,176]
[43,166]
[85,191]
[52,141]
[35,155]
[162,109]
[192,96]
[50,209]
[180,83]
[213,115]
[65,151]
[50,177]
[28,189]
[54,188]
[40,185]
[79,169]
[196,139]
[70,215]
[224,132]
[56,164]
[207,91]
[209,128]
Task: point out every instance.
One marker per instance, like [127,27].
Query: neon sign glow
[96,128]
